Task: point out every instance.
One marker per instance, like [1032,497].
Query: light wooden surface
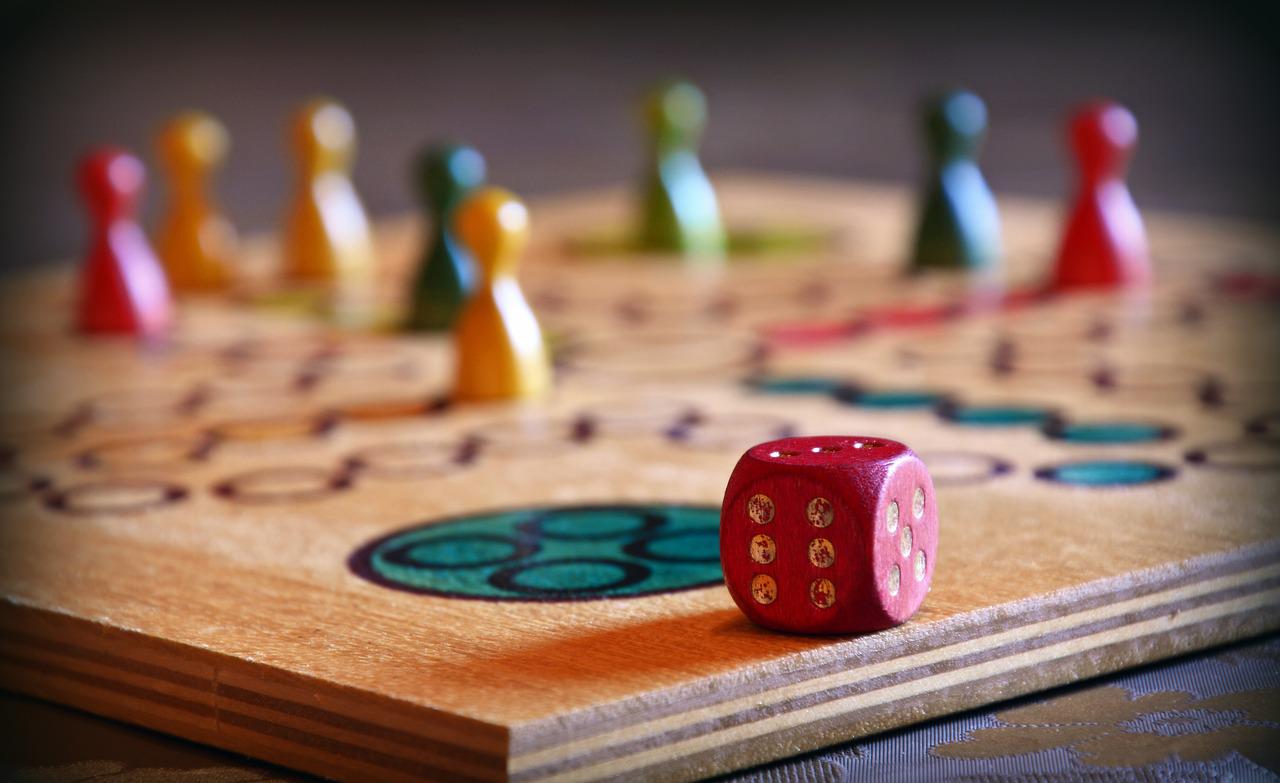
[240,624]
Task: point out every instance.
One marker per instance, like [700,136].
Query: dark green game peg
[445,174]
[680,213]
[959,224]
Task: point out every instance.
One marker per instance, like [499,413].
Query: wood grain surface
[225,611]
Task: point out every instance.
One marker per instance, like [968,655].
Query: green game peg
[445,174]
[959,223]
[680,210]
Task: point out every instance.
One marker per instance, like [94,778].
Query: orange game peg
[498,343]
[196,242]
[122,289]
[327,235]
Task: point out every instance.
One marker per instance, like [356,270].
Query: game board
[279,540]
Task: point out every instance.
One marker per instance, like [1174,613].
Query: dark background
[548,92]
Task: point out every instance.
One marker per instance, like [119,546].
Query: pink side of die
[905,475]
[860,477]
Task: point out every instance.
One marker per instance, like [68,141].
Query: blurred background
[548,92]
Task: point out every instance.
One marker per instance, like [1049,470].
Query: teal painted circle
[681,546]
[466,552]
[550,577]
[1107,433]
[998,415]
[1106,473]
[604,523]
[890,398]
[551,554]
[799,384]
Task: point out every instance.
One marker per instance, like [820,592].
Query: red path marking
[814,333]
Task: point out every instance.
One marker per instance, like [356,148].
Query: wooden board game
[276,539]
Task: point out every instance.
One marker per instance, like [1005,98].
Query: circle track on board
[555,553]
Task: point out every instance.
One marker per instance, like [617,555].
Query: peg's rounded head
[955,123]
[110,181]
[324,136]
[676,112]
[1103,137]
[494,225]
[447,172]
[193,141]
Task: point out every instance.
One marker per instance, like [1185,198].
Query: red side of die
[829,534]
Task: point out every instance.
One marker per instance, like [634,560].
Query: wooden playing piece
[122,287]
[500,353]
[195,241]
[829,534]
[326,233]
[680,213]
[445,175]
[1105,243]
[959,226]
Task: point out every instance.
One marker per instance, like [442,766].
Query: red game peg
[123,288]
[1105,244]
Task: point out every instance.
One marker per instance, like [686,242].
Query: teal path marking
[1106,473]
[889,398]
[1106,433]
[998,415]
[795,384]
[551,554]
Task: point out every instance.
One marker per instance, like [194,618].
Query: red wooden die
[829,534]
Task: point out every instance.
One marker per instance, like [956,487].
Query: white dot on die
[895,579]
[763,589]
[822,553]
[891,516]
[904,543]
[822,593]
[917,503]
[760,508]
[820,512]
[763,550]
[919,566]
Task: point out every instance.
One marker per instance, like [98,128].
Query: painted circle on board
[1106,473]
[1008,415]
[1104,433]
[558,553]
[1246,454]
[794,384]
[888,399]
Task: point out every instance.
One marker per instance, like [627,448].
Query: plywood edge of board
[219,700]
[877,682]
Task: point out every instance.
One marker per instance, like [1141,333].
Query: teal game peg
[446,174]
[959,223]
[680,212]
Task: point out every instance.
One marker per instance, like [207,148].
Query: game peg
[499,349]
[123,288]
[959,223]
[1105,244]
[196,242]
[680,213]
[445,175]
[327,235]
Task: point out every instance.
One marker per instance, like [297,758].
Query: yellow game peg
[326,236]
[196,242]
[499,346]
